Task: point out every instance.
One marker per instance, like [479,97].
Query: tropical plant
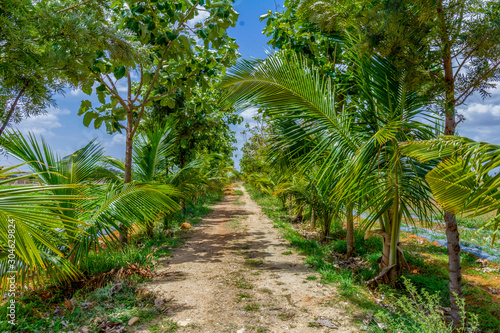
[466,181]
[98,206]
[35,253]
[357,145]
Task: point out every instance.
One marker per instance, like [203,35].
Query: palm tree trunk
[350,231]
[313,220]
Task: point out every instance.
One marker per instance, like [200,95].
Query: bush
[420,313]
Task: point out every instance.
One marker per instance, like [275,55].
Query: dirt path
[238,275]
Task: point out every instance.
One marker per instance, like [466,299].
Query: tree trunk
[183,206]
[128,169]
[11,110]
[350,232]
[290,210]
[299,217]
[389,272]
[452,235]
[313,220]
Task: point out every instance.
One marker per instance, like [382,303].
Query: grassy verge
[428,269]
[60,308]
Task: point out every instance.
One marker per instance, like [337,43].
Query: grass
[164,327]
[242,296]
[61,308]
[252,307]
[254,262]
[428,267]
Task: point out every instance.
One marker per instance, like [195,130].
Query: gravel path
[238,275]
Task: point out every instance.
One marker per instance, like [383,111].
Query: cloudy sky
[64,130]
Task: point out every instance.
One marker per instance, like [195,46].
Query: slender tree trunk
[452,235]
[313,220]
[290,210]
[350,231]
[128,169]
[11,110]
[183,201]
[299,217]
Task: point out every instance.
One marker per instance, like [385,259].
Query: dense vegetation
[357,116]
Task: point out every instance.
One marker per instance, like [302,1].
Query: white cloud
[200,18]
[482,118]
[43,124]
[76,92]
[116,140]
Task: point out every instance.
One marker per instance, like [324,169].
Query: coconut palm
[467,180]
[35,253]
[98,205]
[357,144]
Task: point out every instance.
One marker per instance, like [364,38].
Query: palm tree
[356,145]
[99,203]
[35,251]
[466,181]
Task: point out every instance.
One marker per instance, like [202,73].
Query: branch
[140,86]
[12,108]
[122,102]
[472,86]
[112,84]
[129,88]
[73,7]
[468,57]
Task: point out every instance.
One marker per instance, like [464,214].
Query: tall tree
[177,49]
[41,43]
[450,49]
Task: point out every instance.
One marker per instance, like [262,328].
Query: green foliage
[93,207]
[167,58]
[464,182]
[35,310]
[344,155]
[43,46]
[430,276]
[419,312]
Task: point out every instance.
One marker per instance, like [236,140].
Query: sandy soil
[238,275]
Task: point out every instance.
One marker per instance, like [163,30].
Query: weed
[421,312]
[267,291]
[286,253]
[252,307]
[311,278]
[241,283]
[165,327]
[254,262]
[242,296]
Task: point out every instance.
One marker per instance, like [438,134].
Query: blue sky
[64,131]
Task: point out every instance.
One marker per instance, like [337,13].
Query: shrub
[421,313]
